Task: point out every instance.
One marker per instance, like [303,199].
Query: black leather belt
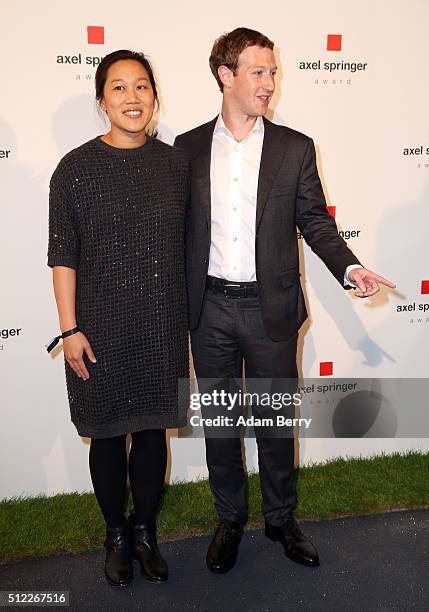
[232,289]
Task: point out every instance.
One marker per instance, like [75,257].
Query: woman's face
[128,97]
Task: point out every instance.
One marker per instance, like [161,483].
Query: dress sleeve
[64,243]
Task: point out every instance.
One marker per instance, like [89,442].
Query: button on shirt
[234,172]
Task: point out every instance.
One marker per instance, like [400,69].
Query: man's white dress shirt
[234,172]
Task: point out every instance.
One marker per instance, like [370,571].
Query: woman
[116,246]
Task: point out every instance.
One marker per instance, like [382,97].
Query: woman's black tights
[147,464]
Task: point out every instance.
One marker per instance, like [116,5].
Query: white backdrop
[364,124]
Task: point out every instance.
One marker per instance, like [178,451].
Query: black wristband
[53,343]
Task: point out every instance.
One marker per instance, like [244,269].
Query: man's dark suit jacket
[289,195]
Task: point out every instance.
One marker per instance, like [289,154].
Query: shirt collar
[220,127]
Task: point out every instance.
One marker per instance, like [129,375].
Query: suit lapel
[273,151]
[201,166]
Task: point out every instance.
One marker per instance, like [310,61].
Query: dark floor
[368,563]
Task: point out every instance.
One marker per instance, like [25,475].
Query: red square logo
[331,210]
[95,35]
[334,42]
[326,368]
[425,286]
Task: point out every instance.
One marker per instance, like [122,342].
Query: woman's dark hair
[226,49]
[116,56]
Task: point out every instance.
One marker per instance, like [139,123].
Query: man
[253,183]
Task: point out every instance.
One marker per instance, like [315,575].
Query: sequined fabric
[117,216]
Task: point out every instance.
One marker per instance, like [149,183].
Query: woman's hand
[74,346]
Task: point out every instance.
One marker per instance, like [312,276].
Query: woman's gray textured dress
[117,216]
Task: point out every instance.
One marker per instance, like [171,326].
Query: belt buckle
[229,285]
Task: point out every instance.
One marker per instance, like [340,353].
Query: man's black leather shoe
[222,552]
[118,567]
[297,547]
[153,566]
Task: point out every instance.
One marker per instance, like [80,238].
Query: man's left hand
[368,282]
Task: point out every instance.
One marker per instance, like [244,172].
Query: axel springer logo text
[415,151]
[419,154]
[79,59]
[417,311]
[334,66]
[330,66]
[6,333]
[94,35]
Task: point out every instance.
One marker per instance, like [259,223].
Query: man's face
[252,86]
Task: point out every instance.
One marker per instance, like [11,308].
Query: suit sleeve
[178,143]
[316,225]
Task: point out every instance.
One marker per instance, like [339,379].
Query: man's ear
[226,75]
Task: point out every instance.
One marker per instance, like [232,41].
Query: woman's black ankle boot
[118,567]
[145,549]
